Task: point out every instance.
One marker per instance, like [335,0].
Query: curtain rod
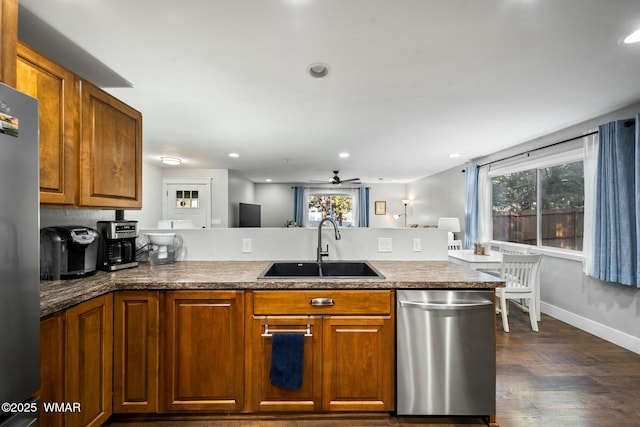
[539,148]
[328,188]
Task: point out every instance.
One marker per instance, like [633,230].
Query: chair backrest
[520,271]
[516,250]
[454,245]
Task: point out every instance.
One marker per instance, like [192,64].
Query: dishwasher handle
[445,305]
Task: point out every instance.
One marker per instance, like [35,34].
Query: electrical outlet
[385,244]
[246,246]
[417,245]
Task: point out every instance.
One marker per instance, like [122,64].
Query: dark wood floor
[558,377]
[562,376]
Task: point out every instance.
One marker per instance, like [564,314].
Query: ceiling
[410,82]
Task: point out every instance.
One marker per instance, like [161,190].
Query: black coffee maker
[117,244]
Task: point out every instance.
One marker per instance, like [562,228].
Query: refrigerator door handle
[445,305]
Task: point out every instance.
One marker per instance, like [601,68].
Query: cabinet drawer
[343,302]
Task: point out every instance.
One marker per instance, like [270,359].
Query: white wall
[276,201]
[438,195]
[299,244]
[219,190]
[392,194]
[151,211]
[241,190]
[608,310]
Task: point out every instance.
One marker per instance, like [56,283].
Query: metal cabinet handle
[321,302]
[445,306]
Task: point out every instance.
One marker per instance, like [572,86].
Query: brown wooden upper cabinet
[57,91]
[110,151]
[90,142]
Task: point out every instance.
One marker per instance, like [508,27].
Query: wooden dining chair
[521,276]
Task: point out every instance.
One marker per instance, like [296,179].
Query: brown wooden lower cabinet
[135,352]
[51,368]
[349,361]
[88,361]
[202,351]
[267,397]
[359,363]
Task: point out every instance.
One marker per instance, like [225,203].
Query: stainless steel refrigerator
[19,262]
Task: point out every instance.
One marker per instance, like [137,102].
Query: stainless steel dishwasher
[446,362]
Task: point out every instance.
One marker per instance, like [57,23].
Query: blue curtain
[471,206]
[363,206]
[617,217]
[298,205]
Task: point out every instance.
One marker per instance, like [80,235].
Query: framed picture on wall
[381,207]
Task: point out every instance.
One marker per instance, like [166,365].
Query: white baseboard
[607,333]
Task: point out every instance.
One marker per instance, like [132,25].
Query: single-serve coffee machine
[67,252]
[117,244]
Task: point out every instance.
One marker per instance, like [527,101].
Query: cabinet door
[110,151]
[135,352]
[267,397]
[203,351]
[57,92]
[51,368]
[89,371]
[359,363]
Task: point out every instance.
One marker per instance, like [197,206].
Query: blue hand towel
[287,354]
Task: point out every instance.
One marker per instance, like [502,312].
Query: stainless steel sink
[326,269]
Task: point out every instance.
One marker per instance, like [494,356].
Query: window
[337,206]
[186,199]
[542,206]
[514,207]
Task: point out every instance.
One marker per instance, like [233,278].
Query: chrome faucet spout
[322,253]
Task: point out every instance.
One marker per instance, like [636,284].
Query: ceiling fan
[337,181]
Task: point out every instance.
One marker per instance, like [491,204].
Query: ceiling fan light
[172,161]
[633,37]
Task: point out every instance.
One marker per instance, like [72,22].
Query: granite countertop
[193,275]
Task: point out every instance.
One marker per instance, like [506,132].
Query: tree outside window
[336,206]
[553,216]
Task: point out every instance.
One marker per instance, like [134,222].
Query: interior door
[189,202]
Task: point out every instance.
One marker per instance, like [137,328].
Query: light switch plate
[246,246]
[385,244]
[417,245]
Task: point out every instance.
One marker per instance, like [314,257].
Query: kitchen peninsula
[193,337]
[242,275]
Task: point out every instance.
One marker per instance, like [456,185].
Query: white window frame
[554,156]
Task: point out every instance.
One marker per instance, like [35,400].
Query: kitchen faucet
[322,253]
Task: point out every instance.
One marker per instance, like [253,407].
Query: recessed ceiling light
[234,155]
[268,180]
[318,70]
[173,161]
[454,155]
[343,155]
[633,37]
